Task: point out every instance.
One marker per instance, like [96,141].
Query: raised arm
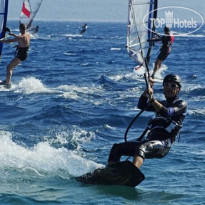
[15,39]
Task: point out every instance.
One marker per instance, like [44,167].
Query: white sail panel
[26,9]
[29,10]
[139,20]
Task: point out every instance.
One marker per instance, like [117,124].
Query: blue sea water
[73,98]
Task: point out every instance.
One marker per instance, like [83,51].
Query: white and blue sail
[3,20]
[141,27]
[29,10]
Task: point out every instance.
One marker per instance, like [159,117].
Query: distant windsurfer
[161,132]
[21,52]
[167,41]
[34,29]
[84,28]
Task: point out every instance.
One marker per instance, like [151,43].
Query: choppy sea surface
[73,98]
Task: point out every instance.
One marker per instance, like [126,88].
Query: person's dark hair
[172,78]
[166,29]
[22,26]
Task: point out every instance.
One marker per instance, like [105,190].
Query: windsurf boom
[140,29]
[3,20]
[29,10]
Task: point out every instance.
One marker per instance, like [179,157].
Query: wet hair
[166,29]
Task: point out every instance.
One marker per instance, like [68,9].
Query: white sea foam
[31,85]
[72,35]
[81,136]
[85,64]
[42,158]
[115,49]
[131,75]
[76,92]
[138,73]
[117,77]
[191,35]
[34,36]
[160,72]
[139,70]
[110,127]
[196,112]
[70,54]
[2,88]
[199,153]
[190,87]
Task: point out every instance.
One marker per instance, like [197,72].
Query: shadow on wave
[106,82]
[197,92]
[56,114]
[112,84]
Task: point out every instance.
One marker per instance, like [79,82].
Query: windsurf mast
[29,10]
[3,20]
[141,16]
[141,28]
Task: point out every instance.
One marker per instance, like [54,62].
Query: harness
[169,125]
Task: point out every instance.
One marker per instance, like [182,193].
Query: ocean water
[73,98]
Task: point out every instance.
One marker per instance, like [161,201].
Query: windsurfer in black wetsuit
[162,129]
[21,52]
[167,41]
[84,28]
[34,30]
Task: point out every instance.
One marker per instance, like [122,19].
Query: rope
[131,123]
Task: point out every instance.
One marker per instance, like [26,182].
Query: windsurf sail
[141,28]
[29,10]
[3,20]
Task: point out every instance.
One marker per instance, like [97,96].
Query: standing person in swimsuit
[167,41]
[21,52]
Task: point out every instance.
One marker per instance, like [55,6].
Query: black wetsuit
[21,53]
[84,28]
[165,48]
[163,130]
